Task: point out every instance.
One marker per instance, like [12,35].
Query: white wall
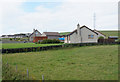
[33,35]
[85,32]
[75,38]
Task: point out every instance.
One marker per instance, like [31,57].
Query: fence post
[42,78]
[7,63]
[62,45]
[16,68]
[27,74]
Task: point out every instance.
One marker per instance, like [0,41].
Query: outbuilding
[51,35]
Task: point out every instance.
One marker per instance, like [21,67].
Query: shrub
[61,42]
[8,73]
[50,41]
[118,40]
[38,41]
[101,37]
[10,38]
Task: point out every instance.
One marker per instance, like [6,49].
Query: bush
[118,40]
[38,41]
[8,73]
[10,38]
[101,37]
[61,42]
[49,41]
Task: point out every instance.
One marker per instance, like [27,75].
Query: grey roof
[81,28]
[99,32]
[113,36]
[34,32]
[19,34]
[3,35]
[52,33]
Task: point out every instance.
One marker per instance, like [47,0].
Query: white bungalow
[83,35]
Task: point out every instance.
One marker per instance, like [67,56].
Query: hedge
[49,41]
[33,49]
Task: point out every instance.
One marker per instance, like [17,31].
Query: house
[28,34]
[4,36]
[19,35]
[14,36]
[82,35]
[8,36]
[51,35]
[35,33]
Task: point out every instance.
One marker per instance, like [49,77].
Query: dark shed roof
[113,37]
[52,33]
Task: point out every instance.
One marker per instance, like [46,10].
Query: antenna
[94,19]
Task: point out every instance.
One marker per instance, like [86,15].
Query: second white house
[83,35]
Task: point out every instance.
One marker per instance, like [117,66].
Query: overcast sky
[58,15]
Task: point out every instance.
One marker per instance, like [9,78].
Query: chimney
[33,30]
[78,29]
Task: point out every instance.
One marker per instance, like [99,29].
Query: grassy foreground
[81,63]
[23,45]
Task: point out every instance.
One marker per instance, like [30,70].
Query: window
[90,36]
[36,33]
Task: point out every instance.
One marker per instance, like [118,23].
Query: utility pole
[94,21]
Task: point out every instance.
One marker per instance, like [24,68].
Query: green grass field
[23,45]
[110,33]
[80,63]
[107,33]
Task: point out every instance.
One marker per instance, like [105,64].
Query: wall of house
[75,38]
[20,36]
[85,32]
[36,39]
[52,37]
[33,35]
[43,34]
[31,38]
[65,41]
[82,37]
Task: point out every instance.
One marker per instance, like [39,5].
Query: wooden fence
[14,73]
[106,41]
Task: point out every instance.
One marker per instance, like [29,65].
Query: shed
[113,37]
[51,35]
